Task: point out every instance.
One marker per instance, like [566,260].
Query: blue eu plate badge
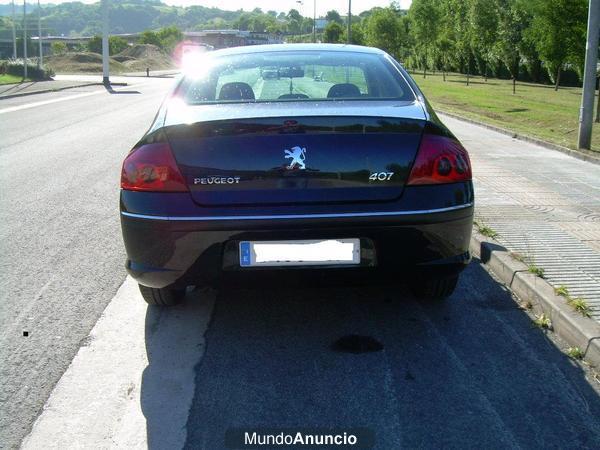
[245,259]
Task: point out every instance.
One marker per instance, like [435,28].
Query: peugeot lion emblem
[297,155]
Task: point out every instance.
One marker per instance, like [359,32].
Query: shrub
[116,44]
[59,48]
[15,67]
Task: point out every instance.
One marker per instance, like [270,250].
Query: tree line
[536,40]
[532,40]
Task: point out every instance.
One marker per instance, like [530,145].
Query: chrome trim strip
[298,216]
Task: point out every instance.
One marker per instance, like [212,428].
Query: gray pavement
[469,373]
[35,87]
[62,255]
[543,204]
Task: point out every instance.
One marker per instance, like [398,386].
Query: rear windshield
[294,76]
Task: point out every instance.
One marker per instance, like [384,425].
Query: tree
[293,14]
[116,44]
[456,28]
[333,33]
[383,30]
[444,46]
[149,37]
[333,16]
[94,45]
[58,48]
[425,17]
[169,37]
[294,21]
[307,25]
[483,21]
[512,21]
[357,36]
[558,28]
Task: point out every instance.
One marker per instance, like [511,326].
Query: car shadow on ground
[468,372]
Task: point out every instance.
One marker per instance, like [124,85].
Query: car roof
[248,49]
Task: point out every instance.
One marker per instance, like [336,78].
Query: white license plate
[300,253]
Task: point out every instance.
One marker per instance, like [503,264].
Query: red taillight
[152,167]
[440,159]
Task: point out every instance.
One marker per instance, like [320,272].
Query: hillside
[126,16]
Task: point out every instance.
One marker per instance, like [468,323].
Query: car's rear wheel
[162,297]
[434,288]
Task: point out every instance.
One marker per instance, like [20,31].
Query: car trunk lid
[296,160]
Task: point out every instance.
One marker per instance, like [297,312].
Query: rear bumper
[165,250]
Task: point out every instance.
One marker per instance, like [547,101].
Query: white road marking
[62,99]
[132,386]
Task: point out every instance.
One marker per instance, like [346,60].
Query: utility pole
[315,21]
[586,114]
[349,20]
[24,39]
[598,104]
[14,31]
[40,59]
[105,66]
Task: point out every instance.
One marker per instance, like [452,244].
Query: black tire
[162,297]
[434,288]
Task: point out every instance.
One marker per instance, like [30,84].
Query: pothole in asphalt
[354,343]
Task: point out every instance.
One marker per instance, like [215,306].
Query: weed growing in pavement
[518,257]
[485,230]
[580,305]
[562,291]
[538,271]
[542,321]
[575,353]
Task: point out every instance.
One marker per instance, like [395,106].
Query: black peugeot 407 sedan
[288,159]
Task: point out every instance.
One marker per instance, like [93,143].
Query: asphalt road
[62,254]
[469,373]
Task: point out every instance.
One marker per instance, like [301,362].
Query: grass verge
[535,110]
[12,79]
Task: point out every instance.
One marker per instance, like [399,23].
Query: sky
[278,5]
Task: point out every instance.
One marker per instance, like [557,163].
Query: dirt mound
[142,56]
[122,58]
[81,62]
[139,51]
[133,59]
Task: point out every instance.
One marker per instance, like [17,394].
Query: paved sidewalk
[543,204]
[33,87]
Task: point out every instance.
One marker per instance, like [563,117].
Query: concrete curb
[573,328]
[589,157]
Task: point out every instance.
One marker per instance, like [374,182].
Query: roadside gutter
[536,293]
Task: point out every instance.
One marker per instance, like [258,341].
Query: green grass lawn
[11,79]
[535,110]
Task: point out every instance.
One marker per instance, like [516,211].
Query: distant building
[210,38]
[231,38]
[6,44]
